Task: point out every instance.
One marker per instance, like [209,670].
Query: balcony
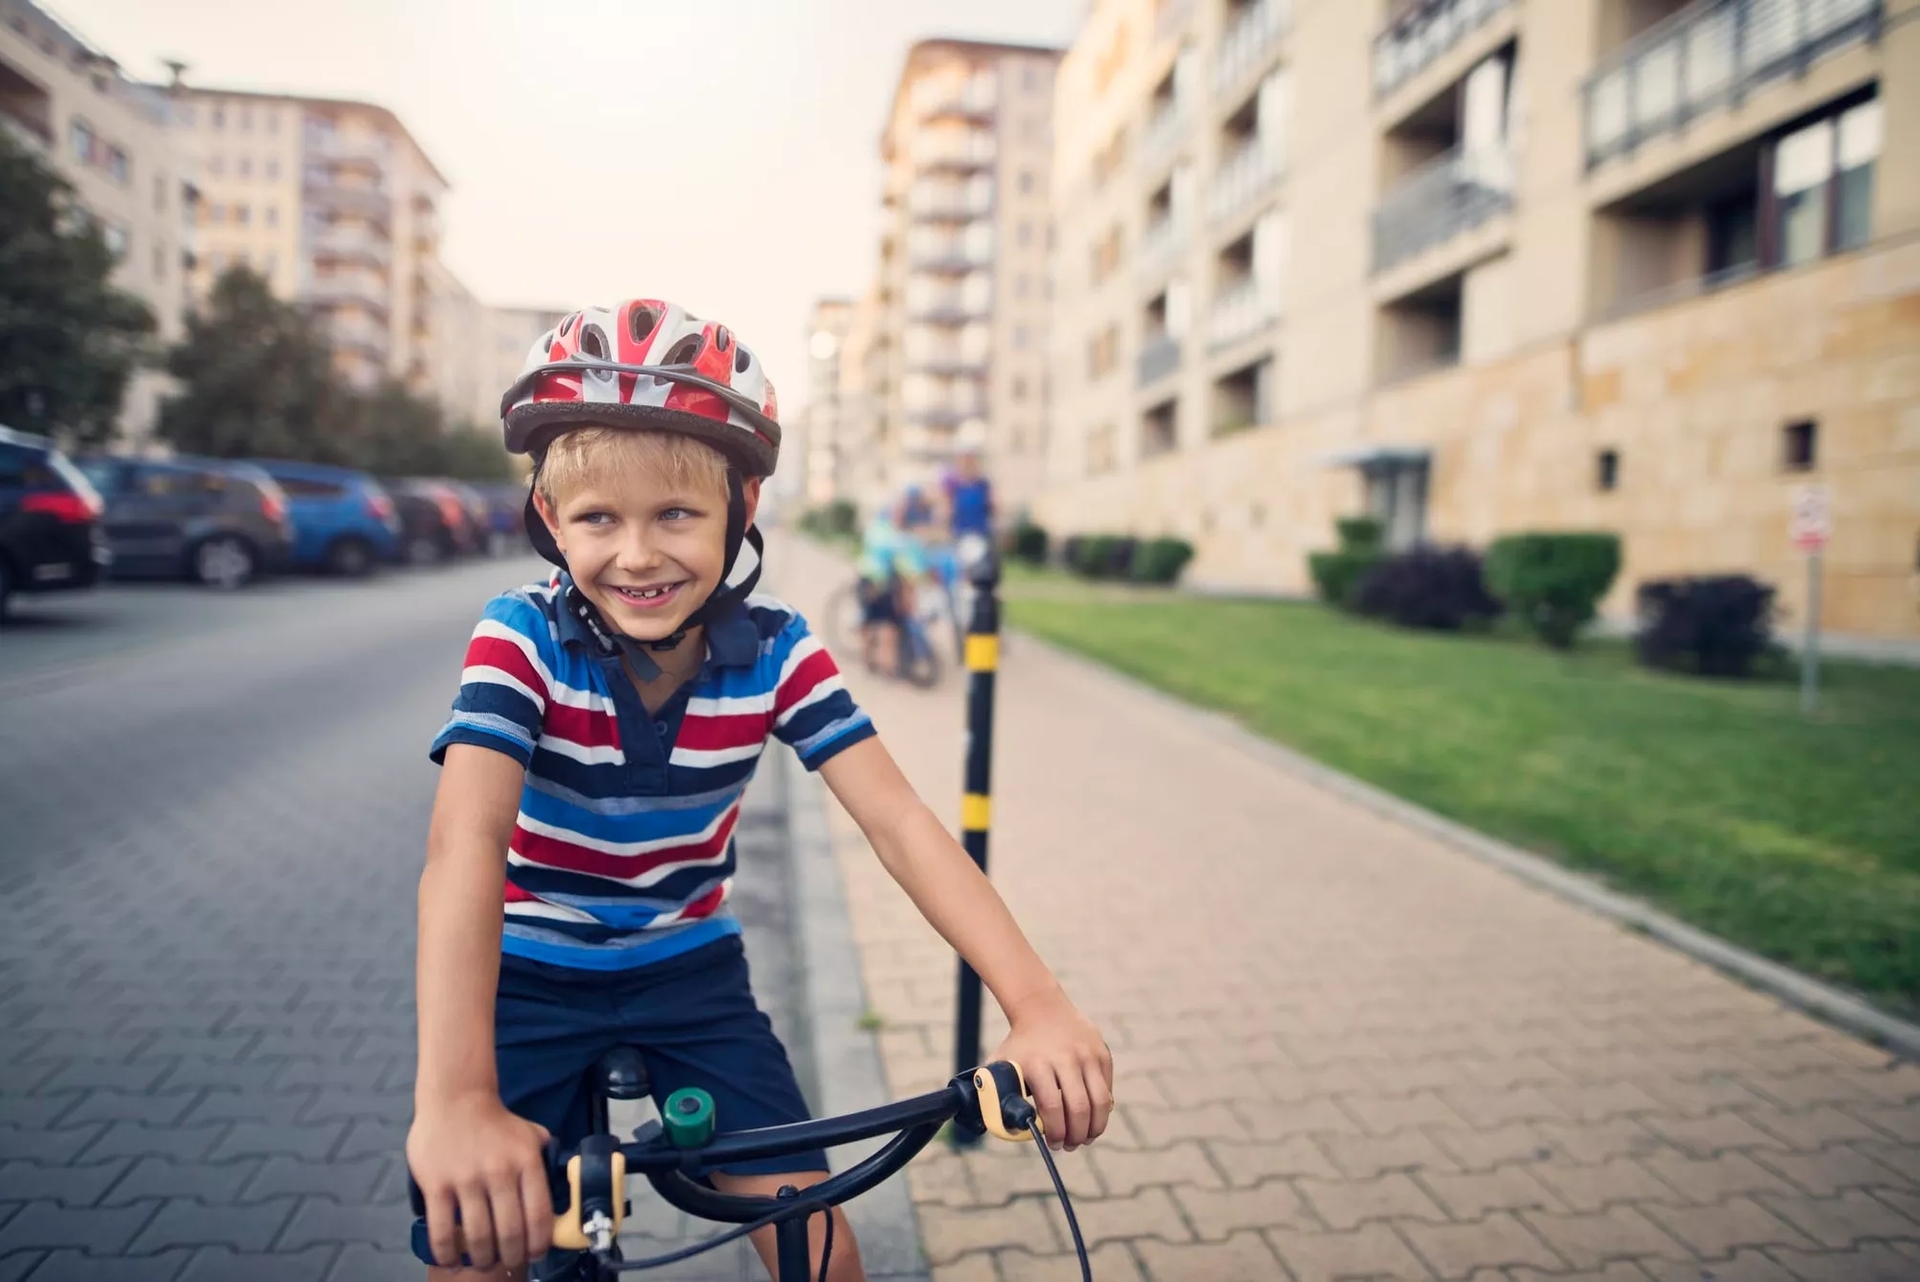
[1241,310]
[1453,193]
[946,150]
[1160,137]
[356,289]
[947,311]
[345,245]
[363,337]
[973,100]
[1416,38]
[1159,249]
[325,195]
[942,416]
[946,207]
[1709,56]
[26,110]
[1159,357]
[347,149]
[1248,46]
[948,260]
[1245,178]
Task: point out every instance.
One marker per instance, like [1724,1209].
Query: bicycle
[589,1184]
[918,662]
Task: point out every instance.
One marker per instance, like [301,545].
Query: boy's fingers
[1046,1098]
[443,1234]
[1079,1109]
[476,1225]
[536,1201]
[509,1226]
[1100,1095]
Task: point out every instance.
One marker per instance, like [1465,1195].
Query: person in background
[892,563]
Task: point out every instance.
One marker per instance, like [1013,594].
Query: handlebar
[588,1183]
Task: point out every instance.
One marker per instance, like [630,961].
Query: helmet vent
[741,359]
[684,352]
[640,323]
[593,342]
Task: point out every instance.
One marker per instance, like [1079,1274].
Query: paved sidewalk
[1345,1050]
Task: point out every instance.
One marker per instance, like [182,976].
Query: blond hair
[583,453]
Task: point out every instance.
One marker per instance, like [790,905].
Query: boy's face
[645,551]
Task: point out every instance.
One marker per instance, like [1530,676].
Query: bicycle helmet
[645,363]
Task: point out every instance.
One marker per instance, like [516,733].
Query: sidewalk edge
[846,1058]
[1821,1000]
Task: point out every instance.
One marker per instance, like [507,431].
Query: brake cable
[1023,1115]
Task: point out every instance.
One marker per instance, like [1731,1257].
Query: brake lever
[1007,1112]
[596,1184]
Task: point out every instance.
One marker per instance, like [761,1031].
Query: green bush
[1161,560]
[836,520]
[1030,543]
[1337,575]
[1553,583]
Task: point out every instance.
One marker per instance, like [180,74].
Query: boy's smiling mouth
[651,597]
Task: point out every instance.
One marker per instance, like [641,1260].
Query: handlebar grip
[570,1227]
[998,1085]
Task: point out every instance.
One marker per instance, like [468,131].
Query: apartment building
[107,135]
[824,433]
[959,349]
[1478,266]
[336,205]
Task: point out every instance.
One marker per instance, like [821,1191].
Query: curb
[1815,998]
[845,1059]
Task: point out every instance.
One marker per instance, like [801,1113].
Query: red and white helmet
[650,364]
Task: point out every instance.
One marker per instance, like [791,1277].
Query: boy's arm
[466,1150]
[1067,1064]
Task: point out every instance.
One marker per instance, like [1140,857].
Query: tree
[397,433]
[69,340]
[256,381]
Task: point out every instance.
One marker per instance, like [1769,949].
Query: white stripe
[733,705]
[672,918]
[534,826]
[592,755]
[827,686]
[637,881]
[573,697]
[552,912]
[521,641]
[487,675]
[803,649]
[705,758]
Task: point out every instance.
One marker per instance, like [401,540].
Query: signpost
[1810,528]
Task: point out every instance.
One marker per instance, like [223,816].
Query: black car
[435,522]
[49,520]
[219,523]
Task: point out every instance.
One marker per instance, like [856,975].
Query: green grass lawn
[1798,838]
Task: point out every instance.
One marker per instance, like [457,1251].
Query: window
[245,167]
[219,117]
[119,166]
[273,120]
[1025,181]
[159,193]
[271,215]
[273,171]
[1103,351]
[1822,189]
[1800,446]
[81,139]
[300,487]
[160,261]
[1607,470]
[118,241]
[242,215]
[246,120]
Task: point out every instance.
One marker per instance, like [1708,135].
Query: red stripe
[812,670]
[588,727]
[515,895]
[706,905]
[497,652]
[553,852]
[731,730]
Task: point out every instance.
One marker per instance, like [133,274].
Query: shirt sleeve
[504,685]
[812,711]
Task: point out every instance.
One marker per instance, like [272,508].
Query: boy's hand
[473,1155]
[1068,1068]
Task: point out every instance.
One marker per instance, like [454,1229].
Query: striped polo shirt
[622,854]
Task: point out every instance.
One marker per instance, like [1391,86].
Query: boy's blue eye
[596,518]
[676,514]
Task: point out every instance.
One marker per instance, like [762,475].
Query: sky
[720,153]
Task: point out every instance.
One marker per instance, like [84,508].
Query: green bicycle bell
[688,1117]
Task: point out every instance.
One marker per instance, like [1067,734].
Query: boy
[606,727]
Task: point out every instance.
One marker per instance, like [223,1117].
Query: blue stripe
[628,957]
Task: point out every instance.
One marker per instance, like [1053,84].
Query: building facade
[824,434]
[958,352]
[108,136]
[336,205]
[1480,266]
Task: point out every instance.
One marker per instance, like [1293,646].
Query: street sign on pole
[1810,526]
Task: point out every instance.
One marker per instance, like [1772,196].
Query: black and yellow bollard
[976,803]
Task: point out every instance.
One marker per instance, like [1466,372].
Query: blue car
[344,523]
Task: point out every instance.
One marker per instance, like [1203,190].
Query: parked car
[217,522]
[49,520]
[506,505]
[343,521]
[434,522]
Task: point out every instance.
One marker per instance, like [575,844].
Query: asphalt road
[212,809]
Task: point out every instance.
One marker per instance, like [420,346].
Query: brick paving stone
[184,1222]
[1124,1171]
[1246,1164]
[1811,1129]
[73,1266]
[1832,1169]
[1468,1196]
[1704,1181]
[1349,1203]
[1874,1262]
[1114,1262]
[949,1233]
[1842,1221]
[1364,1156]
[67,1185]
[1149,1213]
[1245,1255]
[1496,1242]
[1725,1227]
[979,1267]
[1384,1114]
[1897,1121]
[223,1264]
[1217,1213]
[1373,1250]
[1742,1266]
[1591,1188]
[358,1262]
[1590,1240]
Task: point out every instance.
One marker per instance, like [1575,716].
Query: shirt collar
[732,639]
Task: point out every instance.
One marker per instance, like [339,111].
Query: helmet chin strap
[739,575]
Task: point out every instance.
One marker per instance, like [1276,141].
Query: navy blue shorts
[692,1017]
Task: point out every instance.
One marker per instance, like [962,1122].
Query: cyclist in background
[892,563]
